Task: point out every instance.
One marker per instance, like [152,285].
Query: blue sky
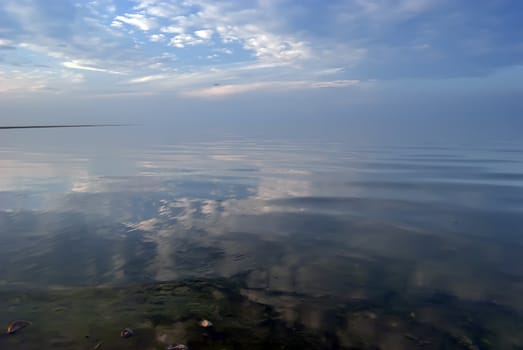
[346,52]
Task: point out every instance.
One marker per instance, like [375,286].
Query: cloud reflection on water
[291,218]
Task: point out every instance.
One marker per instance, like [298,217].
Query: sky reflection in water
[295,218]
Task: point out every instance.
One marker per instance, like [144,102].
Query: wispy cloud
[148,78]
[5,43]
[135,19]
[157,37]
[272,86]
[182,40]
[231,24]
[244,45]
[78,64]
[34,80]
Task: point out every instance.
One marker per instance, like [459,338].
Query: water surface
[348,246]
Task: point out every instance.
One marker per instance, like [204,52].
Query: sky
[261,61]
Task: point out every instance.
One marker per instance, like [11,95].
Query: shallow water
[338,245]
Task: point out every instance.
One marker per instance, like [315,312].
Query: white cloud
[144,4]
[86,65]
[253,31]
[232,24]
[42,49]
[5,42]
[205,34]
[200,36]
[182,40]
[172,29]
[228,33]
[148,78]
[281,45]
[331,71]
[277,53]
[138,20]
[116,24]
[268,46]
[163,9]
[157,38]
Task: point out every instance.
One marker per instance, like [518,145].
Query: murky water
[282,244]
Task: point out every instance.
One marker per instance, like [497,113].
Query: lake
[280,244]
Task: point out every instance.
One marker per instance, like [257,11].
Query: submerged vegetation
[168,314]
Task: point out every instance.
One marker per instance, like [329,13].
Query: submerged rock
[178,347]
[126,333]
[467,343]
[15,326]
[206,323]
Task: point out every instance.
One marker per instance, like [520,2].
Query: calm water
[362,246]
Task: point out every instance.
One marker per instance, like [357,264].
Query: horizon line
[52,126]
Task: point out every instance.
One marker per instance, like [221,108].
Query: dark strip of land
[57,126]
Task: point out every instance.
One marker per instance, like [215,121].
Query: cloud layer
[203,47]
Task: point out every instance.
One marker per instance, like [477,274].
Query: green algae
[160,315]
[169,313]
